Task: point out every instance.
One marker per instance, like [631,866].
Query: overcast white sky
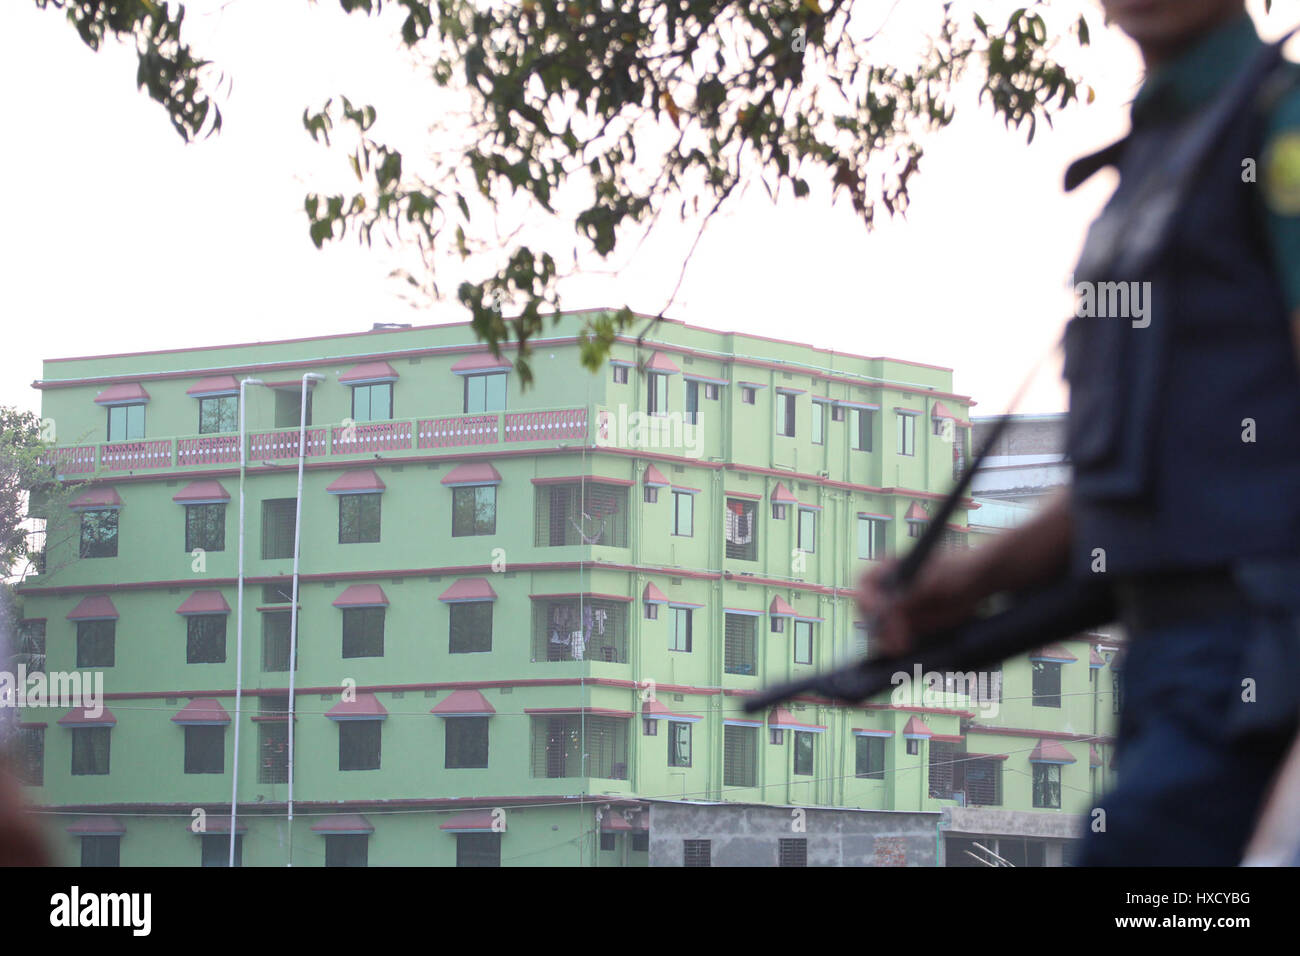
[117,237]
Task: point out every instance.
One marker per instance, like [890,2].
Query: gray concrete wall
[749,834]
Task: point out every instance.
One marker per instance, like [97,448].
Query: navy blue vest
[1162,477]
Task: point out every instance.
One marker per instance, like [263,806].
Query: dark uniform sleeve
[1280,178]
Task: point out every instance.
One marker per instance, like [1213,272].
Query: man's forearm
[1032,554]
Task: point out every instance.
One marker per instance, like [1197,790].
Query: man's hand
[945,592]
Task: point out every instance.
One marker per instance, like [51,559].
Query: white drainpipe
[239,617]
[293,609]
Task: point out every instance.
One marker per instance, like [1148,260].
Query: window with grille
[101,851]
[372,403]
[803,642]
[205,749]
[807,530]
[359,744]
[467,742]
[860,429]
[31,755]
[485,393]
[1046,683]
[205,527]
[1047,786]
[871,539]
[96,641]
[906,434]
[478,849]
[608,841]
[559,743]
[90,750]
[792,851]
[740,529]
[804,746]
[683,514]
[640,842]
[125,422]
[697,853]
[99,533]
[278,516]
[739,756]
[470,627]
[585,513]
[869,760]
[205,639]
[785,414]
[943,758]
[983,782]
[273,739]
[679,637]
[950,540]
[739,644]
[37,539]
[359,519]
[679,743]
[363,631]
[216,849]
[347,849]
[218,414]
[573,630]
[275,640]
[473,511]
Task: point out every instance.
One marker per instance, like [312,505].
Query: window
[90,750]
[608,841]
[31,645]
[363,631]
[1047,786]
[778,625]
[740,529]
[683,514]
[101,851]
[273,750]
[804,743]
[580,513]
[803,642]
[1047,683]
[359,744]
[860,434]
[870,758]
[649,727]
[651,495]
[372,403]
[983,781]
[478,849]
[914,746]
[620,374]
[96,641]
[739,644]
[30,751]
[473,510]
[792,851]
[871,539]
[358,519]
[711,391]
[916,528]
[467,743]
[205,639]
[99,533]
[739,756]
[657,393]
[697,853]
[680,625]
[641,842]
[906,434]
[651,611]
[347,849]
[218,414]
[278,516]
[780,511]
[692,416]
[837,413]
[560,744]
[216,849]
[679,743]
[807,530]
[125,422]
[277,593]
[785,414]
[580,629]
[276,627]
[818,423]
[748,395]
[776,736]
[288,408]
[205,749]
[205,527]
[485,393]
[471,627]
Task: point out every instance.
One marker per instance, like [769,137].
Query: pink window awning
[201,712]
[343,823]
[472,473]
[81,717]
[782,719]
[464,703]
[363,481]
[215,386]
[362,595]
[480,362]
[204,602]
[368,373]
[654,478]
[1050,751]
[1055,653]
[132,393]
[662,363]
[95,607]
[96,499]
[781,495]
[97,826]
[915,728]
[365,707]
[780,607]
[916,513]
[475,821]
[202,493]
[652,595]
[654,710]
[468,589]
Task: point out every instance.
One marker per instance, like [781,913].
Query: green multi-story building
[524,619]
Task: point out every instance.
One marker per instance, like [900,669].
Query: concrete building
[523,619]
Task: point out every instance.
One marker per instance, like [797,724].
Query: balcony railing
[326,441]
